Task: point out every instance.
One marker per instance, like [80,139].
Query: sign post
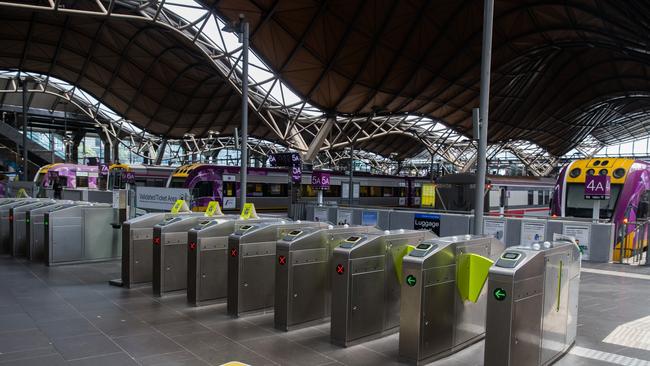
[320,181]
[597,188]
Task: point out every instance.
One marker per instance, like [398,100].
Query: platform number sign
[597,187]
[320,180]
[499,294]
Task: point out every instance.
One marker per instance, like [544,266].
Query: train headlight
[590,172]
[575,172]
[619,173]
[603,172]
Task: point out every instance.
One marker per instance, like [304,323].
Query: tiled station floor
[69,315]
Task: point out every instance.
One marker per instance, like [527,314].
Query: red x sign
[233,252]
[282,260]
[192,246]
[340,269]
[156,240]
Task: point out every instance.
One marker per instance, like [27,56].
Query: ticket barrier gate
[137,249]
[36,228]
[444,295]
[5,219]
[302,277]
[170,240]
[532,304]
[80,234]
[251,263]
[18,226]
[207,258]
[366,275]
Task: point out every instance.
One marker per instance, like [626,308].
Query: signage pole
[320,197]
[244,114]
[481,161]
[595,214]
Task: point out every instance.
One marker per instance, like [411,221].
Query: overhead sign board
[597,187]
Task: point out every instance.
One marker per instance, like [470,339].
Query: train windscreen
[177,182]
[578,206]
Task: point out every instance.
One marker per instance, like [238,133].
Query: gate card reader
[366,273]
[302,277]
[137,249]
[532,304]
[444,295]
[207,258]
[251,263]
[170,238]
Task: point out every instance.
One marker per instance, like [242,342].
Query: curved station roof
[389,70]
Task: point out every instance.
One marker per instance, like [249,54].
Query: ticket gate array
[443,295]
[36,228]
[80,234]
[18,226]
[532,304]
[366,276]
[137,249]
[207,258]
[302,276]
[251,263]
[170,240]
[5,219]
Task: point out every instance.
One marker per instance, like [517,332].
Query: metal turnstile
[81,234]
[170,253]
[36,228]
[137,248]
[444,295]
[207,258]
[532,307]
[18,226]
[302,277]
[251,263]
[5,220]
[366,272]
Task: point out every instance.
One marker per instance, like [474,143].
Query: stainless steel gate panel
[302,277]
[365,281]
[435,319]
[18,226]
[170,239]
[207,258]
[5,222]
[137,247]
[251,263]
[36,229]
[532,320]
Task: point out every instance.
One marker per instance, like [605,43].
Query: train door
[229,191]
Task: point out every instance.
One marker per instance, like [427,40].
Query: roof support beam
[318,141]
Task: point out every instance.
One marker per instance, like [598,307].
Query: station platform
[69,315]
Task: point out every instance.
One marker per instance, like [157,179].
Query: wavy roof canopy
[146,71]
[559,69]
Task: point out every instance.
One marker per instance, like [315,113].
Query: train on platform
[268,188]
[73,176]
[504,195]
[627,203]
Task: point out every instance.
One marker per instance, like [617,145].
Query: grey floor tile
[206,339]
[30,353]
[115,359]
[286,352]
[85,346]
[182,358]
[13,322]
[121,326]
[240,330]
[181,327]
[49,360]
[67,328]
[147,345]
[22,340]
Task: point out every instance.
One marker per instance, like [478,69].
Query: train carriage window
[203,189]
[308,191]
[255,189]
[417,192]
[388,192]
[364,191]
[401,191]
[540,197]
[177,182]
[643,207]
[531,198]
[333,191]
[277,190]
[82,182]
[375,191]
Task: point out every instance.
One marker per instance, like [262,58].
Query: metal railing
[634,239]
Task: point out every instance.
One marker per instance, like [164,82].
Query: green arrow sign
[499,294]
[411,280]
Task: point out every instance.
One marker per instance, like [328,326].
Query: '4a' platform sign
[597,187]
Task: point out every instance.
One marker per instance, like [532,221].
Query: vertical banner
[428,195]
